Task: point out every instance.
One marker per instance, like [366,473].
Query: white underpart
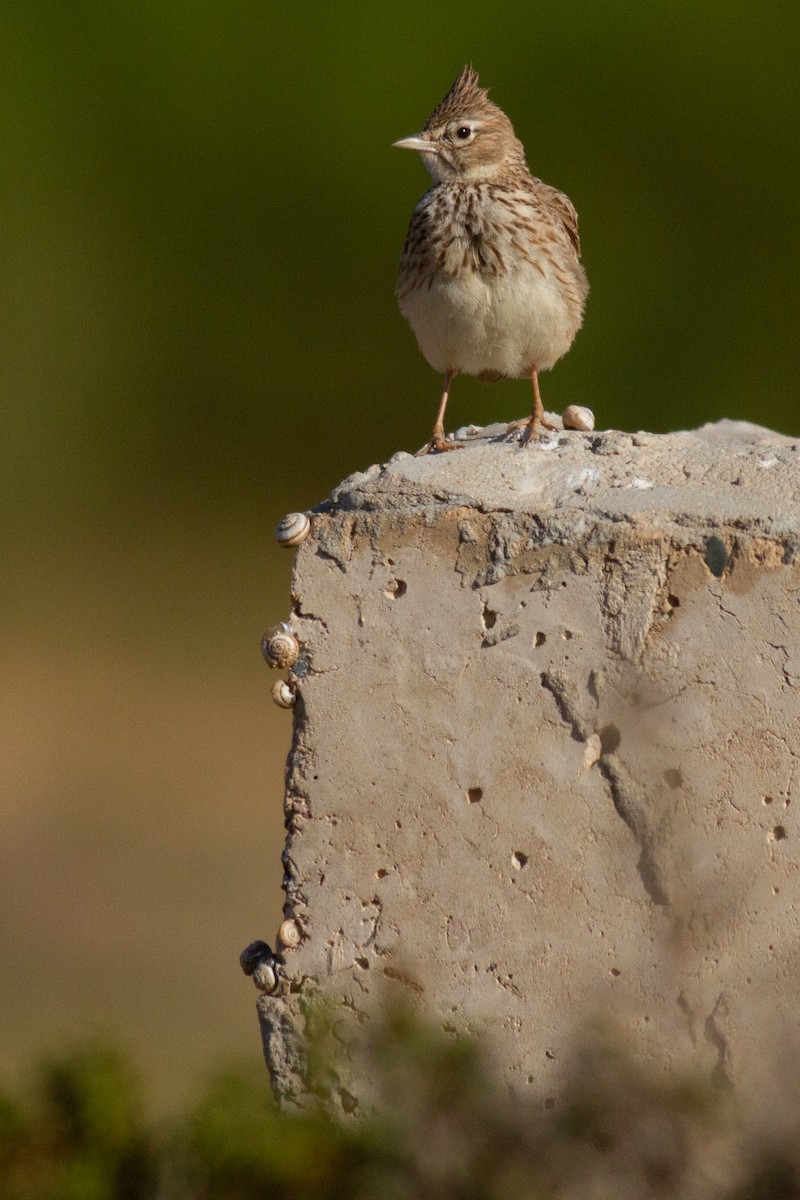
[509,324]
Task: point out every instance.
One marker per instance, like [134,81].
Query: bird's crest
[465,99]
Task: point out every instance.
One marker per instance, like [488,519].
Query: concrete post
[546,749]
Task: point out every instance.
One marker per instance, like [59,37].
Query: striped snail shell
[292,529]
[279,646]
[284,694]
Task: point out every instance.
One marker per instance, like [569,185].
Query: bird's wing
[415,260]
[563,208]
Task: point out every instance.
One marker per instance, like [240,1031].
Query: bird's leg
[439,443]
[536,420]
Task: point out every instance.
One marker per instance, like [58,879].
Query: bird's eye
[463,132]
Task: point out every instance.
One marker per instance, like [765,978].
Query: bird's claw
[439,445]
[528,431]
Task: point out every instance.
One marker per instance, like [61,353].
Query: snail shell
[284,694]
[258,960]
[292,529]
[279,646]
[289,934]
[578,417]
[264,976]
[252,955]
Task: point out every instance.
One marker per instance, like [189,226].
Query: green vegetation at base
[443,1129]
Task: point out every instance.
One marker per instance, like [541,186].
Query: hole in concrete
[615,972]
[475,795]
[549,1102]
[530,1079]
[776,891]
[673,601]
[779,833]
[381,874]
[348,1101]
[716,556]
[549,1054]
[363,963]
[518,859]
[592,687]
[610,739]
[767,800]
[540,639]
[488,616]
[395,588]
[673,778]
[567,635]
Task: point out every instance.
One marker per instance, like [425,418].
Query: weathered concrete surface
[545,754]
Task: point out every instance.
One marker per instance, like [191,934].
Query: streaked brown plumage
[490,278]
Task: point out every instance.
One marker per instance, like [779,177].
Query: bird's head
[467,138]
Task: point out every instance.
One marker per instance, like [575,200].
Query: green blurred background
[200,220]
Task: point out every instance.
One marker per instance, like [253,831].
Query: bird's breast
[491,285]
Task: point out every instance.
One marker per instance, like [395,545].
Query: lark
[490,277]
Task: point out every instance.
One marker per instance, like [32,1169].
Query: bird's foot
[530,429]
[439,445]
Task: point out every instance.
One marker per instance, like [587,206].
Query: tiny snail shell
[279,646]
[284,694]
[264,976]
[578,417]
[292,529]
[289,934]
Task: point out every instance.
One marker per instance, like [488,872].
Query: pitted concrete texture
[546,749]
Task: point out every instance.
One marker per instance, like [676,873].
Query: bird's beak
[417,142]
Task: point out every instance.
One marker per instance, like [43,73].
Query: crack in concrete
[566,695]
[403,979]
[630,804]
[716,1038]
[297,611]
[625,793]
